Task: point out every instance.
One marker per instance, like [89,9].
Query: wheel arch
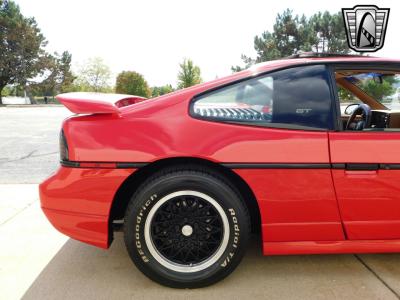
[129,186]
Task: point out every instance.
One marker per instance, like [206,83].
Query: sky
[153,37]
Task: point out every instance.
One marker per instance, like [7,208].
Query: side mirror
[350,108]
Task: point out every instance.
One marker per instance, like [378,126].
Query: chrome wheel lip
[193,267]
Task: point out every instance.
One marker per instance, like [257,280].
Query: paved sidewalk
[27,240]
[37,262]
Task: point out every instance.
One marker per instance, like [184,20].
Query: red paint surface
[302,210]
[78,201]
[295,205]
[331,247]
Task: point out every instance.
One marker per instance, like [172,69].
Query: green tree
[132,83]
[58,77]
[7,91]
[21,46]
[330,32]
[189,74]
[65,75]
[378,90]
[93,76]
[161,90]
[322,32]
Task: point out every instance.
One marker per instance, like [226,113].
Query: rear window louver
[230,113]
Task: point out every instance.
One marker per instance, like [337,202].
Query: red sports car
[305,150]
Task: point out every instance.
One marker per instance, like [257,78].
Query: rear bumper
[89,229]
[77,201]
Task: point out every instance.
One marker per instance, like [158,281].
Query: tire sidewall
[146,198]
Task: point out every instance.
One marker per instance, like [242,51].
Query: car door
[366,174]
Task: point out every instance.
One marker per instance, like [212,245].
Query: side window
[346,98]
[297,96]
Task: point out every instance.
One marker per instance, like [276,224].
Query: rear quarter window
[293,97]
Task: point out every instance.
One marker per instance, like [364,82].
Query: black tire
[171,228]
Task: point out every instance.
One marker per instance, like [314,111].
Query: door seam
[334,189]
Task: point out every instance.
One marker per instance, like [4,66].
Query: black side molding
[101,165]
[69,164]
[130,165]
[276,166]
[342,166]
[389,166]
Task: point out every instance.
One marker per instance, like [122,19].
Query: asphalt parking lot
[37,262]
[29,142]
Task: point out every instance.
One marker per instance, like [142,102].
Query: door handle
[362,167]
[361,174]
[361,170]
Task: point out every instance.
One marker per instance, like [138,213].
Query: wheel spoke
[196,242]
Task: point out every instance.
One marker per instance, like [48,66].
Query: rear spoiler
[97,103]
